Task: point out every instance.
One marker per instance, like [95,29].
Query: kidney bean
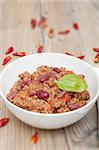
[22,84]
[28,81]
[53,74]
[60,93]
[43,78]
[42,94]
[73,106]
[11,95]
[56,70]
[85,95]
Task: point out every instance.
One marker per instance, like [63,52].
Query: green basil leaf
[72,83]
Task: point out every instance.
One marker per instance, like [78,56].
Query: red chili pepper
[20,54]
[51,33]
[75,26]
[43,22]
[9,50]
[69,54]
[40,49]
[81,57]
[3,122]
[73,106]
[96,58]
[33,23]
[34,138]
[96,49]
[64,32]
[6,60]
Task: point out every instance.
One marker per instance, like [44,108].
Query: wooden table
[15,31]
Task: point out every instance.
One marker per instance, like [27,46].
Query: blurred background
[15,28]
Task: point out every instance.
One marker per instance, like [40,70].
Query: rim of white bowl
[57,114]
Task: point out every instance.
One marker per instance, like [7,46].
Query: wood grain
[15,31]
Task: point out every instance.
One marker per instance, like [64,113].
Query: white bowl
[48,121]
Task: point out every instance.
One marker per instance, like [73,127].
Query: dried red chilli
[33,23]
[40,49]
[9,50]
[3,122]
[51,33]
[20,54]
[34,138]
[43,22]
[75,26]
[96,58]
[6,60]
[43,19]
[69,54]
[96,49]
[81,57]
[64,32]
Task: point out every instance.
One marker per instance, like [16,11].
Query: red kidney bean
[60,93]
[53,74]
[11,95]
[73,106]
[28,81]
[42,94]
[56,70]
[43,78]
[23,84]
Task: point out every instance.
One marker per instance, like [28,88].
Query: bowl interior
[29,63]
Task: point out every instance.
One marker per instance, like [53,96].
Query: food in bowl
[49,90]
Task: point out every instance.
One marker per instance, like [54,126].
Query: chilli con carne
[49,90]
